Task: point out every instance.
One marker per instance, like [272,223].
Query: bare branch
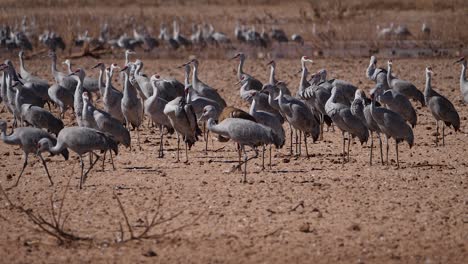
[125,216]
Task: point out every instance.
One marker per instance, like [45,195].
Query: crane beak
[182,66]
[235,57]
[459,60]
[95,66]
[270,63]
[124,68]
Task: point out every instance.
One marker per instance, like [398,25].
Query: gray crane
[112,98]
[267,119]
[132,108]
[40,118]
[62,97]
[24,96]
[90,84]
[61,78]
[345,89]
[35,85]
[344,119]
[441,108]
[254,83]
[142,80]
[361,107]
[80,140]
[181,40]
[184,121]
[79,76]
[202,88]
[105,123]
[463,80]
[400,104]
[273,81]
[392,125]
[154,109]
[27,138]
[170,88]
[300,117]
[27,76]
[378,75]
[245,133]
[404,87]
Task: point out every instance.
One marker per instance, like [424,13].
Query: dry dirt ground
[351,213]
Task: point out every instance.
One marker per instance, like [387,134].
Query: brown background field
[354,213]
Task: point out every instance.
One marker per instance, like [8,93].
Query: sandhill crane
[80,140]
[441,108]
[142,80]
[184,122]
[169,88]
[345,89]
[425,30]
[278,35]
[61,78]
[273,81]
[27,138]
[298,39]
[165,36]
[104,122]
[40,118]
[463,81]
[183,41]
[404,87]
[61,97]
[267,119]
[90,84]
[132,108]
[245,133]
[79,76]
[154,109]
[392,125]
[400,104]
[300,117]
[112,98]
[345,121]
[202,88]
[24,96]
[378,75]
[254,83]
[27,76]
[361,107]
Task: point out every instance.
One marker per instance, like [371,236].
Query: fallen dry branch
[156,221]
[55,226]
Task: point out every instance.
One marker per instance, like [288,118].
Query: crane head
[390,62]
[85,96]
[306,59]
[460,60]
[429,70]
[124,68]
[100,64]
[272,62]
[238,55]
[3,66]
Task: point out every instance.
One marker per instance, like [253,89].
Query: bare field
[353,213]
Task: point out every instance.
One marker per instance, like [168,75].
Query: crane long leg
[321,126]
[443,134]
[291,136]
[112,160]
[349,143]
[396,149]
[186,152]
[371,147]
[270,156]
[178,147]
[386,141]
[263,157]
[381,148]
[245,164]
[344,155]
[305,143]
[22,170]
[46,169]
[161,144]
[85,175]
[138,137]
[82,169]
[300,142]
[437,133]
[104,160]
[206,141]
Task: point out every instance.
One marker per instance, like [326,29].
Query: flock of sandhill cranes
[183,108]
[24,36]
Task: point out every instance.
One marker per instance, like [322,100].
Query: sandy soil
[351,213]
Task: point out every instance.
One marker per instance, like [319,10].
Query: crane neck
[240,68]
[428,87]
[188,96]
[253,107]
[463,73]
[101,73]
[195,73]
[22,68]
[187,77]
[272,74]
[3,87]
[8,139]
[370,70]
[54,149]
[389,74]
[303,82]
[69,67]
[108,84]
